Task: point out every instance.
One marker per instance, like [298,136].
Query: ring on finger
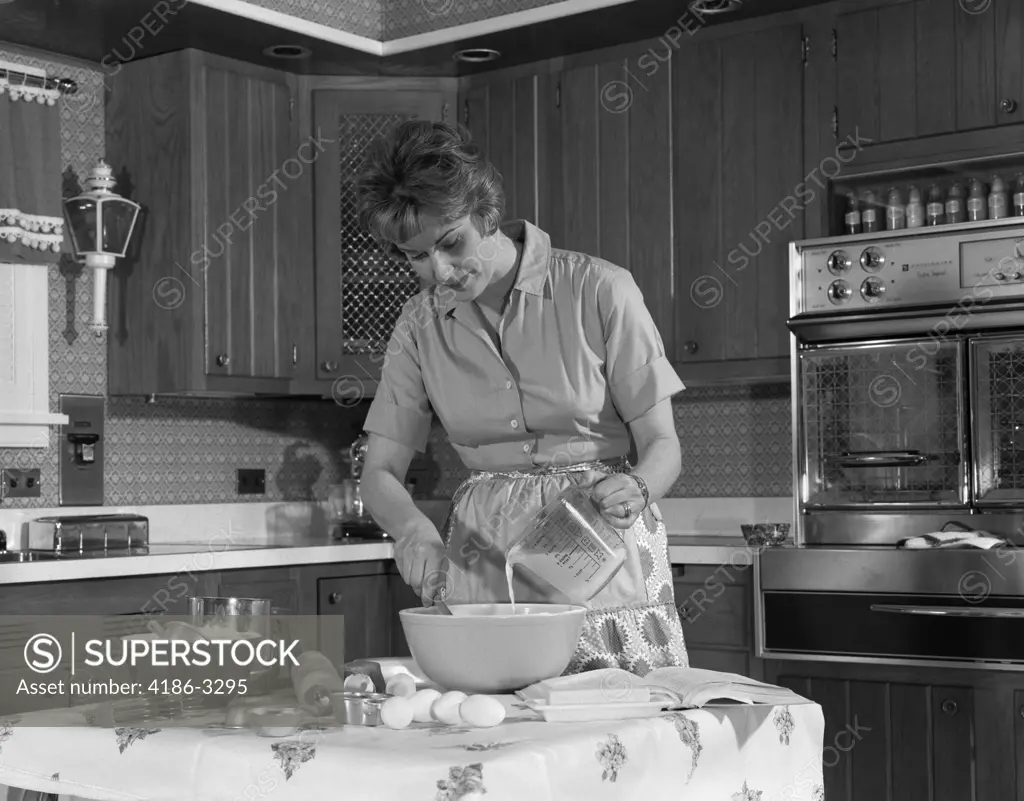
[626,511]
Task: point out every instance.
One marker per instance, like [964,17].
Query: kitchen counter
[698,549]
[196,539]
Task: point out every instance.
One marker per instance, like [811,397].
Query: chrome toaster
[115,532]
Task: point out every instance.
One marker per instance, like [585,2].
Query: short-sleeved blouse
[579,358]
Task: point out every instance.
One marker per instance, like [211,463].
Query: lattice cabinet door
[360,290]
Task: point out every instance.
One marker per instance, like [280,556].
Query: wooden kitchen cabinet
[914,732]
[739,195]
[715,604]
[670,169]
[916,68]
[364,603]
[206,303]
[357,290]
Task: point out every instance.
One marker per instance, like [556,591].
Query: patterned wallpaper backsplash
[735,440]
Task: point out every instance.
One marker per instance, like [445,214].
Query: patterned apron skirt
[632,624]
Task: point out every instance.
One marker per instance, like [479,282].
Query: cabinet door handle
[690,347]
[329,367]
[334,598]
[223,360]
[1008,105]
[949,707]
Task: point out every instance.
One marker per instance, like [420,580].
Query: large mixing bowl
[484,648]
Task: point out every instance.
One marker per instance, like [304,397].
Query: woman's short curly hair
[426,168]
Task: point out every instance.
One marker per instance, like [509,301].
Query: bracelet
[643,489]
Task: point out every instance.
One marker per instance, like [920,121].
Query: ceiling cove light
[477,55]
[287,51]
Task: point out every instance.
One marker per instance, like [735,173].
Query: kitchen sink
[26,556]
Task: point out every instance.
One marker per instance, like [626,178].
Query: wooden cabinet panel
[735,100]
[402,597]
[246,238]
[975,67]
[364,602]
[1008,16]
[581,165]
[717,618]
[922,67]
[204,304]
[647,182]
[901,739]
[359,289]
[550,189]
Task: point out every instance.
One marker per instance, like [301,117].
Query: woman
[540,363]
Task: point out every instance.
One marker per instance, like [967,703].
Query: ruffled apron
[632,624]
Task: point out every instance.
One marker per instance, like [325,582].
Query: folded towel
[594,687]
[952,539]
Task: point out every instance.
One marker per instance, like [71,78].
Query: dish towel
[604,686]
[953,539]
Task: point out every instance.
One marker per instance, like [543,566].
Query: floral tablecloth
[731,753]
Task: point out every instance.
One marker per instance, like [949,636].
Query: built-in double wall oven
[908,419]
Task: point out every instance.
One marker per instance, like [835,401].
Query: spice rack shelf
[975,190]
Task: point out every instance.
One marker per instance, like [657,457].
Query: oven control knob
[1016,276]
[839,263]
[872,260]
[1000,276]
[839,292]
[872,290]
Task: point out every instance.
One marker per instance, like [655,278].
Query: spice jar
[915,209]
[976,204]
[936,209]
[852,218]
[895,213]
[998,206]
[869,213]
[955,212]
[1018,196]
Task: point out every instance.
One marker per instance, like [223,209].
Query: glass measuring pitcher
[570,546]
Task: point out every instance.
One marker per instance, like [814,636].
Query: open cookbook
[667,688]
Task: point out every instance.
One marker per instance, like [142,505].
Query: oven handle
[948,611]
[882,459]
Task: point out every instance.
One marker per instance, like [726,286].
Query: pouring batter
[540,363]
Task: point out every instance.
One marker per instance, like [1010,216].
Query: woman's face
[454,255]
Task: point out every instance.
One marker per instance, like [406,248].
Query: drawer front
[710,576]
[717,616]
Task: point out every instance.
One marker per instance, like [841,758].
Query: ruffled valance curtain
[31,218]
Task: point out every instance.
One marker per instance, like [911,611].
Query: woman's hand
[617,496]
[421,559]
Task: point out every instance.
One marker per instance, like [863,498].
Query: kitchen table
[729,752]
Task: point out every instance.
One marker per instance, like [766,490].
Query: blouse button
[515,424]
[508,385]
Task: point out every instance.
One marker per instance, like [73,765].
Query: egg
[396,713]
[359,683]
[446,708]
[421,701]
[401,684]
[481,711]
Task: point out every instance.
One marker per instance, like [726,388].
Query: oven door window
[998,391]
[883,425]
